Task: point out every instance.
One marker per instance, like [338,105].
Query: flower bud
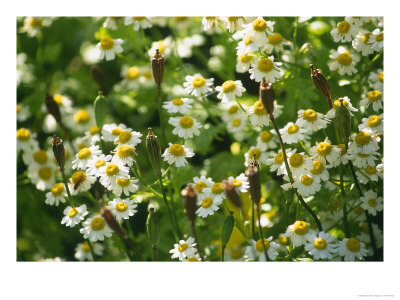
[154,151]
[153,227]
[232,195]
[100,110]
[321,83]
[342,115]
[267,96]
[59,152]
[190,202]
[157,64]
[253,174]
[52,108]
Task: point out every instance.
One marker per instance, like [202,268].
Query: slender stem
[197,240]
[236,223]
[304,147]
[227,33]
[149,188]
[342,191]
[261,233]
[91,249]
[160,114]
[71,202]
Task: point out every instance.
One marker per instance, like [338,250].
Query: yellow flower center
[123,182]
[176,150]
[81,116]
[320,244]
[259,25]
[180,19]
[358,210]
[344,59]
[266,136]
[45,173]
[371,170]
[132,73]
[99,163]
[232,19]
[228,86]
[380,77]
[353,245]
[72,212]
[233,109]
[85,246]
[182,247]
[177,101]
[107,43]
[35,22]
[336,104]
[282,240]
[374,96]
[379,37]
[199,186]
[343,148]
[247,40]
[97,223]
[139,18]
[94,130]
[343,27]
[292,129]
[296,160]
[192,259]
[186,122]
[363,138]
[365,37]
[78,177]
[372,202]
[306,180]
[260,247]
[125,151]
[124,137]
[259,109]
[300,227]
[207,202]
[23,134]
[116,131]
[362,155]
[112,169]
[18,108]
[318,167]
[161,46]
[40,156]
[58,99]
[236,182]
[310,115]
[275,38]
[265,65]
[121,206]
[57,189]
[255,152]
[217,188]
[324,149]
[236,122]
[245,58]
[84,153]
[279,158]
[198,81]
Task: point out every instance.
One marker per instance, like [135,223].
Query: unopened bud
[153,227]
[232,194]
[190,202]
[52,108]
[342,115]
[100,110]
[154,151]
[321,83]
[253,175]
[112,223]
[59,152]
[267,96]
[157,64]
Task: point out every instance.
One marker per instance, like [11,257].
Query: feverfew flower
[358,21]
[258,30]
[93,134]
[246,46]
[184,249]
[164,47]
[236,125]
[371,202]
[108,46]
[95,163]
[256,249]
[351,249]
[80,182]
[74,215]
[343,61]
[95,229]
[230,90]
[258,115]
[277,163]
[369,173]
[84,155]
[131,75]
[244,62]
[209,23]
[138,22]
[112,170]
[376,40]
[361,43]
[364,142]
[265,67]
[376,78]
[178,105]
[197,85]
[233,23]
[299,163]
[111,131]
[122,208]
[260,156]
[112,22]
[344,32]
[319,170]
[202,182]
[266,140]
[25,139]
[240,183]
[292,133]
[361,160]
[307,185]
[81,120]
[33,25]
[372,123]
[129,137]
[82,251]
[185,127]
[126,186]
[208,204]
[322,246]
[124,154]
[56,195]
[346,102]
[299,233]
[375,98]
[311,120]
[216,192]
[326,152]
[43,178]
[176,154]
[275,42]
[23,112]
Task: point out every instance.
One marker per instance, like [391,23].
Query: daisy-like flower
[107,47]
[374,98]
[74,215]
[234,253]
[244,62]
[95,229]
[258,30]
[358,21]
[177,154]
[126,186]
[371,202]
[376,40]
[233,23]
[256,249]
[352,249]
[42,177]
[275,42]
[364,142]
[229,90]
[216,192]
[185,127]
[63,102]
[240,183]
[23,112]
[236,125]
[307,185]
[194,258]
[138,22]
[35,158]
[164,47]
[25,139]
[112,22]
[361,160]
[111,171]
[344,32]
[93,135]
[197,85]
[95,163]
[299,163]
[380,167]
[277,162]
[178,105]
[246,46]
[231,111]
[184,249]
[362,44]
[311,120]
[258,115]
[326,152]
[292,133]
[372,123]
[260,156]
[202,182]
[369,173]
[82,251]
[33,25]
[376,78]
[56,195]
[319,170]
[122,208]
[84,155]
[343,61]
[265,68]
[209,23]
[110,132]
[124,154]
[128,137]
[346,102]
[80,182]
[299,233]
[322,246]
[266,140]
[131,76]
[81,120]
[208,204]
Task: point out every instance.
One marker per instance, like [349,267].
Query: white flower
[311,120]
[358,21]
[132,75]
[231,111]
[185,127]
[265,68]
[80,182]
[376,40]
[292,133]
[361,160]
[258,115]
[351,249]
[369,173]
[236,125]
[344,32]
[164,47]
[25,139]
[74,215]
[371,202]
[326,152]
[278,163]
[229,90]
[184,249]
[322,246]
[208,204]
[124,153]
[194,258]
[83,157]
[111,131]
[122,208]
[361,43]
[307,185]
[56,195]
[129,137]
[257,30]
[233,23]
[36,158]
[23,112]
[126,186]
[299,163]
[275,42]
[299,233]
[375,98]
[346,102]
[42,177]
[112,22]
[261,156]
[95,229]
[256,249]
[93,134]
[176,154]
[202,182]
[364,142]
[197,85]
[82,251]
[240,183]
[33,25]
[95,163]
[234,253]
[376,79]
[107,47]
[209,23]
[246,46]
[343,61]
[178,105]
[372,123]
[138,22]
[244,62]
[81,119]
[216,192]
[319,170]
[111,171]
[266,140]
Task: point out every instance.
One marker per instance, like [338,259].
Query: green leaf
[227,229]
[100,110]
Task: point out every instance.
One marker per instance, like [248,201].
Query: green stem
[342,191]
[304,147]
[149,188]
[227,33]
[70,200]
[160,113]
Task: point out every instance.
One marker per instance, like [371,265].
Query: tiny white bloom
[112,170]
[124,153]
[307,185]
[74,215]
[299,233]
[266,140]
[364,142]
[128,137]
[178,105]
[56,195]
[292,133]
[376,78]
[197,85]
[107,48]
[164,47]
[209,23]
[322,246]
[126,186]
[344,32]
[371,202]
[185,127]
[122,208]
[311,120]
[82,251]
[25,139]
[258,30]
[275,43]
[138,22]
[23,112]
[376,40]
[95,229]
[84,155]
[326,152]
[299,163]
[208,204]
[277,162]
[372,123]
[244,62]
[202,182]
[80,182]
[265,68]
[216,192]
[362,160]
[370,173]
[240,183]
[256,249]
[95,163]
[229,90]
[352,249]
[233,23]
[343,61]
[184,249]
[361,43]
[319,170]
[374,98]
[258,115]
[111,131]
[177,154]
[257,153]
[346,102]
